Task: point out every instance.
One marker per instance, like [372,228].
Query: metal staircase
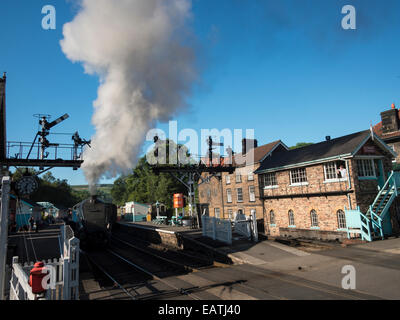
[376,222]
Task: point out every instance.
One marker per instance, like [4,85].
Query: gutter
[309,195]
[302,164]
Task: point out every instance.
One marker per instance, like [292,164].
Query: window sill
[335,180]
[272,225]
[367,178]
[315,228]
[342,229]
[292,226]
[270,187]
[298,184]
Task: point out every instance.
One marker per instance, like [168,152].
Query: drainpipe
[222,195]
[349,183]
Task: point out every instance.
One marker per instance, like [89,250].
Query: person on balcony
[342,172]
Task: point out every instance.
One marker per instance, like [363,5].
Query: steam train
[94,221]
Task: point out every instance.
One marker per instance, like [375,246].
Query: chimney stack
[248,144]
[390,120]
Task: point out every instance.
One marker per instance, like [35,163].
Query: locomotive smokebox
[93,198]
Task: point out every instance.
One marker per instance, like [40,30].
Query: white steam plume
[146,70]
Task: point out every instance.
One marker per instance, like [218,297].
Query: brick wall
[326,198]
[214,193]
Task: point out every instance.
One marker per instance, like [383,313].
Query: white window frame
[272,220]
[238,178]
[362,161]
[229,195]
[291,218]
[250,174]
[341,220]
[230,214]
[217,213]
[336,169]
[228,179]
[313,220]
[237,194]
[302,183]
[252,199]
[273,181]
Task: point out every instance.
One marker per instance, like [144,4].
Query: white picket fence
[217,229]
[64,273]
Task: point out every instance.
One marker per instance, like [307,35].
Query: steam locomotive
[94,221]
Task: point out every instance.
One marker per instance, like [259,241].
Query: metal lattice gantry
[190,174]
[41,152]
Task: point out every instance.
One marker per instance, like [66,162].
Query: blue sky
[283,68]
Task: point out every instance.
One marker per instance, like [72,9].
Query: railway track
[177,259]
[143,279]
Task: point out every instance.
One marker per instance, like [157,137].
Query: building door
[379,172]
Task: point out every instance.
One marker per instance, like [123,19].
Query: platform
[240,251]
[34,246]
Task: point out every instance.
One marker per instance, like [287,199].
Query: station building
[226,194]
[305,191]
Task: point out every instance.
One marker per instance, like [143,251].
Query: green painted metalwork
[376,222]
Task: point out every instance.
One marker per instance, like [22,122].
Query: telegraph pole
[5,196]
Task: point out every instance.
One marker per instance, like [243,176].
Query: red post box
[36,278]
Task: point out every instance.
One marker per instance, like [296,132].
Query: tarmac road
[319,277]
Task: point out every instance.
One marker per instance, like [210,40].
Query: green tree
[300,145]
[144,186]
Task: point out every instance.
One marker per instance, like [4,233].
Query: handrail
[382,190]
[23,281]
[366,226]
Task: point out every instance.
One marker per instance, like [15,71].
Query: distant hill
[86,187]
[104,189]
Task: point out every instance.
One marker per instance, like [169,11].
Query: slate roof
[238,159]
[259,153]
[318,151]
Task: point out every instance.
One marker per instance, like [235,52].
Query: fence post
[203,225]
[66,276]
[254,224]
[5,197]
[214,228]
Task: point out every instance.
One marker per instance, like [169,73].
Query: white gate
[64,273]
[217,229]
[246,226]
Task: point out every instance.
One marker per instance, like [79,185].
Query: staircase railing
[376,222]
[382,202]
[386,187]
[365,229]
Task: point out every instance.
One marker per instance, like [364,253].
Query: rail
[18,150]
